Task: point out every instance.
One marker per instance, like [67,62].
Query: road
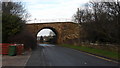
[51,55]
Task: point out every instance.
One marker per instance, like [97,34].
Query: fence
[5,48]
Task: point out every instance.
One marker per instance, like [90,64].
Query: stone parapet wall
[63,30]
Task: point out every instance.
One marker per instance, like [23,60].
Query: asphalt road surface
[51,55]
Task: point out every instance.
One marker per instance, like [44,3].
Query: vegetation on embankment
[99,22]
[14,18]
[100,52]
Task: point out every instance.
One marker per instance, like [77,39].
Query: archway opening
[47,35]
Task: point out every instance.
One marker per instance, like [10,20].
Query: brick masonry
[64,30]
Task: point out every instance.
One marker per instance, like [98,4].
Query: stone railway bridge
[63,30]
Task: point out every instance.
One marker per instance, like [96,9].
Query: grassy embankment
[100,52]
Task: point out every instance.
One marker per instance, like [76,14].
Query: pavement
[0,61]
[51,55]
[18,60]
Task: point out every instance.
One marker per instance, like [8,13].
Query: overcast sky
[52,10]
[44,32]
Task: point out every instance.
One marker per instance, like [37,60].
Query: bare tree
[100,21]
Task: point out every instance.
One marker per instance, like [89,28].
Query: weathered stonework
[64,30]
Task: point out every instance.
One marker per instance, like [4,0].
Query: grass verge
[100,52]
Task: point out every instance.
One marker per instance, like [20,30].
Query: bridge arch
[51,28]
[64,30]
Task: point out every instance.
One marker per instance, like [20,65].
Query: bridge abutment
[64,30]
